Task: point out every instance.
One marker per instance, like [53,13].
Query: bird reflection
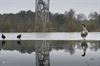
[84,47]
[19,42]
[3,43]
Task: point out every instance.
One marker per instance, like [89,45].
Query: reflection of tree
[70,47]
[58,45]
[29,46]
[24,47]
[95,46]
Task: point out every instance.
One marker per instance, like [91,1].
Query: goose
[84,33]
[19,36]
[3,36]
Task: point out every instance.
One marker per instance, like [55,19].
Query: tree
[93,16]
[81,17]
[70,15]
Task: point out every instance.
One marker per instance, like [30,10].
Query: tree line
[24,21]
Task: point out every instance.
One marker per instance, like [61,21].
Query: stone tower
[41,15]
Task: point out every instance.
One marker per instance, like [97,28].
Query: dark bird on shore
[3,36]
[19,36]
[84,33]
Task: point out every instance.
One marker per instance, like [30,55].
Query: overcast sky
[81,6]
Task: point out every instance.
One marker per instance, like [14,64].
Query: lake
[49,53]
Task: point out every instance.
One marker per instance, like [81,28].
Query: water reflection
[19,42]
[3,43]
[68,46]
[42,54]
[84,46]
[47,52]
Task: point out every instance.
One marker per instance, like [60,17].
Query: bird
[3,43]
[19,36]
[84,33]
[3,36]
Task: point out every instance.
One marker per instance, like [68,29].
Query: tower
[41,15]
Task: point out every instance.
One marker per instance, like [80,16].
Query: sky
[60,6]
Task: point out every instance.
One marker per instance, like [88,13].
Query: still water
[50,53]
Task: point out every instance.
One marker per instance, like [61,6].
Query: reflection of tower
[42,53]
[41,14]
